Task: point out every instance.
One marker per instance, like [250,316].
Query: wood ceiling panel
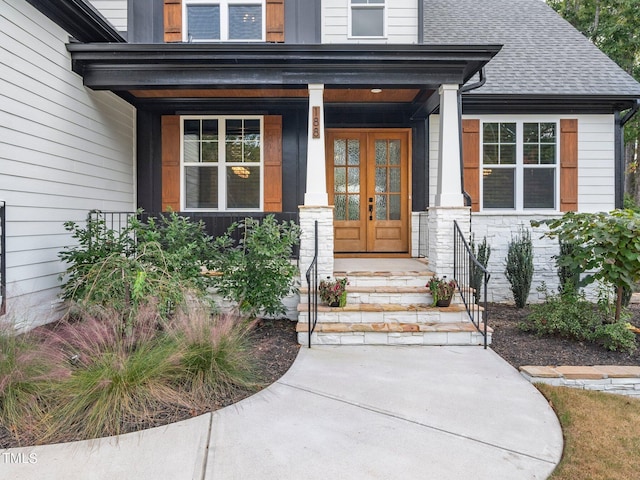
[338,95]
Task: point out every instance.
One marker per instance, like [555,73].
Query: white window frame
[385,9]
[224,19]
[519,165]
[222,163]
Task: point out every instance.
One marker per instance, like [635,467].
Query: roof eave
[80,19]
[476,103]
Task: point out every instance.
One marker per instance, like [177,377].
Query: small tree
[519,270]
[608,247]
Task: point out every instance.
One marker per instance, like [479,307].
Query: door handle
[370,211]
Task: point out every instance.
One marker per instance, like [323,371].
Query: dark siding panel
[148,162]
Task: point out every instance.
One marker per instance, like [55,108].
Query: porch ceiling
[335,95]
[188,66]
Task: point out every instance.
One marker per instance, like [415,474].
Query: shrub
[569,314]
[568,274]
[257,272]
[519,270]
[482,252]
[214,354]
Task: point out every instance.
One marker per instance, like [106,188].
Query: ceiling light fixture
[376,90]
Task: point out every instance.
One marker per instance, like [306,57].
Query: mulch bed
[524,348]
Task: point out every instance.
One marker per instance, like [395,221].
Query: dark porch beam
[184,65]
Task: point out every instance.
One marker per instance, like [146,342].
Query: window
[223,20]
[367,18]
[519,165]
[222,163]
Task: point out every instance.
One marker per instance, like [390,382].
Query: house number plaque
[316,122]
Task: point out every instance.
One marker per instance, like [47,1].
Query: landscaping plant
[569,314]
[257,272]
[607,248]
[482,252]
[519,270]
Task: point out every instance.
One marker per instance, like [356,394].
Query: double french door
[368,183]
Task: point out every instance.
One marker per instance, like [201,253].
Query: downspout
[463,89]
[620,152]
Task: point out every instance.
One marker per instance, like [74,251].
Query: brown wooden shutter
[272,163]
[275,21]
[171,163]
[172,20]
[471,161]
[568,165]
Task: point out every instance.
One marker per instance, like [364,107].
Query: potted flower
[334,292]
[442,290]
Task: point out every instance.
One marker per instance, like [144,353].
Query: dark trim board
[477,104]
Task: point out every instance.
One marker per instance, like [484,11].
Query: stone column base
[441,236]
[324,216]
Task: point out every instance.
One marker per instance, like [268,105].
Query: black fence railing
[215,223]
[472,279]
[312,285]
[3,258]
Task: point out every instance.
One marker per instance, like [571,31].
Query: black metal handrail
[312,287]
[3,258]
[472,279]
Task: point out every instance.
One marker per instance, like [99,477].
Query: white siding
[113,10]
[401,20]
[596,192]
[64,150]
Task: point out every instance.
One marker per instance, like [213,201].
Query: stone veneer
[440,244]
[324,216]
[621,380]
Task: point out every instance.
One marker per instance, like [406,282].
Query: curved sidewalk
[340,412]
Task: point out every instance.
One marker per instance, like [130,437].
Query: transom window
[223,20]
[519,165]
[222,163]
[367,18]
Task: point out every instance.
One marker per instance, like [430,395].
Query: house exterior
[379,119]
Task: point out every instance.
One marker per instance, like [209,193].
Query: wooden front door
[368,184]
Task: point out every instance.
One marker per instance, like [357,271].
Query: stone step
[392,333]
[386,313]
[402,295]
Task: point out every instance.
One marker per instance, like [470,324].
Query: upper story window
[367,18]
[520,165]
[223,20]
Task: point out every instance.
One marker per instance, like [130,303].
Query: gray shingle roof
[542,54]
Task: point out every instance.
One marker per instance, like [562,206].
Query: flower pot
[444,302]
[334,304]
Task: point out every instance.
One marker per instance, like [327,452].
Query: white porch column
[449,201]
[316,201]
[449,191]
[316,193]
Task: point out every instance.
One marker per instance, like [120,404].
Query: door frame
[406,209]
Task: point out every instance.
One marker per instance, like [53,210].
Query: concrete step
[417,278]
[392,333]
[386,313]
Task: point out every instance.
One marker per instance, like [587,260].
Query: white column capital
[448,87]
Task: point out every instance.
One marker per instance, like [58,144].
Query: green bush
[519,270]
[569,314]
[568,274]
[482,252]
[257,273]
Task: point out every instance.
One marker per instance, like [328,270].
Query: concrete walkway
[340,413]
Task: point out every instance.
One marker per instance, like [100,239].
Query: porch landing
[388,303]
